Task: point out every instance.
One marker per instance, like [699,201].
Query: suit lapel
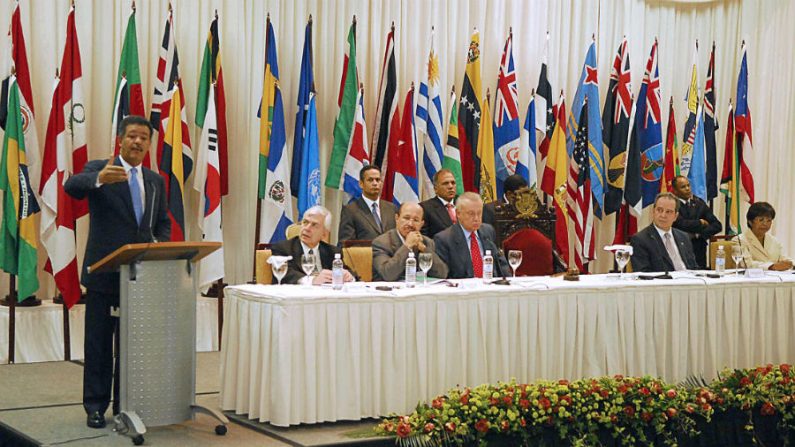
[122,191]
[461,247]
[441,212]
[368,214]
[655,237]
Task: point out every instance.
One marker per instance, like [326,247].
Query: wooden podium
[157,334]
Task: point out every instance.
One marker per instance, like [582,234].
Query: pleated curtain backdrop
[765,25]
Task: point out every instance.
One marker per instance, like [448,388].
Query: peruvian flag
[64,154]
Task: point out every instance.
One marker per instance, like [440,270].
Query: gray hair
[322,211]
[467,197]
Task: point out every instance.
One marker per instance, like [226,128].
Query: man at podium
[127,204]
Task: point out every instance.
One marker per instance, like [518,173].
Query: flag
[277,208]
[309,175]
[207,181]
[265,110]
[579,201]
[299,184]
[405,187]
[386,133]
[346,119]
[742,127]
[526,164]
[176,160]
[430,123]
[545,109]
[129,97]
[615,127]
[452,154]
[17,228]
[588,94]
[507,140]
[17,62]
[710,129]
[488,181]
[632,205]
[698,172]
[356,157]
[671,155]
[166,77]
[555,177]
[650,130]
[212,73]
[469,117]
[689,136]
[730,183]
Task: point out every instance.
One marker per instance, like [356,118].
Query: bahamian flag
[430,123]
[306,89]
[309,175]
[588,88]
[346,119]
[698,165]
[507,140]
[17,229]
[452,154]
[277,210]
[649,127]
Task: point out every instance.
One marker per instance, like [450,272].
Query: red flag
[671,169]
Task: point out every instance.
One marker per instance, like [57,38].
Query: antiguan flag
[469,118]
[300,181]
[588,94]
[689,136]
[430,123]
[488,174]
[277,210]
[615,127]
[176,159]
[356,158]
[649,129]
[507,140]
[405,187]
[386,132]
[671,157]
[212,73]
[452,153]
[17,228]
[129,97]
[346,119]
[710,128]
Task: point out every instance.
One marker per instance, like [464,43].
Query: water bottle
[411,270]
[337,272]
[720,261]
[488,267]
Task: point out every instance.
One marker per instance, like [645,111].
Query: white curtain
[764,25]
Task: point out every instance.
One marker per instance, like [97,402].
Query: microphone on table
[152,213]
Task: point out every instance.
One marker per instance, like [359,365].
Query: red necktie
[474,251]
[451,212]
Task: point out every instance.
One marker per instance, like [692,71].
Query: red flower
[544,403]
[671,393]
[464,399]
[767,409]
[646,416]
[604,394]
[645,391]
[745,381]
[622,389]
[785,368]
[482,426]
[450,427]
[493,402]
[671,412]
[507,400]
[429,427]
[522,422]
[565,400]
[437,403]
[389,427]
[403,430]
[524,403]
[629,410]
[505,426]
[563,382]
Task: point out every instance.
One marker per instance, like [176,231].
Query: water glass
[426,261]
[514,260]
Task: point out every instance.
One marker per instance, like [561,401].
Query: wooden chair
[263,273]
[292,230]
[727,243]
[358,256]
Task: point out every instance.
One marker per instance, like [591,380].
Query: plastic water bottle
[411,270]
[488,267]
[720,261]
[337,272]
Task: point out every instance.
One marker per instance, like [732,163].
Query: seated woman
[761,250]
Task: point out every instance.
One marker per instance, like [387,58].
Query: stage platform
[40,404]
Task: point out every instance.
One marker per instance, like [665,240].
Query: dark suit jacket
[292,247]
[689,222]
[490,213]
[357,221]
[112,219]
[650,255]
[390,254]
[451,246]
[435,216]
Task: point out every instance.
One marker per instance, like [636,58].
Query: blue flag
[526,164]
[649,128]
[698,165]
[306,83]
[309,176]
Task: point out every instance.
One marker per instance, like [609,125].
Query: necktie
[451,212]
[673,253]
[135,192]
[474,251]
[376,216]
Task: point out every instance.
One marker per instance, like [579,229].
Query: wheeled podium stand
[157,334]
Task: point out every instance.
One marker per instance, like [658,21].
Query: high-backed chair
[358,256]
[292,230]
[262,272]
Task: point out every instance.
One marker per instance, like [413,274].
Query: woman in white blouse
[761,250]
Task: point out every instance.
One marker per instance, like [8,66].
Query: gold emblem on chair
[526,203]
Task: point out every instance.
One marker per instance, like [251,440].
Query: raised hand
[111,173]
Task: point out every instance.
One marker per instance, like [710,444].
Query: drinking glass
[622,259]
[279,270]
[308,265]
[737,257]
[426,261]
[514,259]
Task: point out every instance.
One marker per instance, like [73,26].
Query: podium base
[212,292]
[59,299]
[30,301]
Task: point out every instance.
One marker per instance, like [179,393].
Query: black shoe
[95,420]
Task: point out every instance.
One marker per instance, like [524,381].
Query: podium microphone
[152,213]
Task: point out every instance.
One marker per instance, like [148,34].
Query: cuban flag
[405,186]
[356,158]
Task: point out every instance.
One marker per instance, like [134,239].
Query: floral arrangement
[619,410]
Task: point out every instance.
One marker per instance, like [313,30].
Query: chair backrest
[536,251]
[292,230]
[360,260]
[727,249]
[263,272]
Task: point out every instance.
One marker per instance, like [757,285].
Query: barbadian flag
[17,229]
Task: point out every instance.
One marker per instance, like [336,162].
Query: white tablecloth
[294,354]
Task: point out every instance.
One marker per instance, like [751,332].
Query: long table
[299,354]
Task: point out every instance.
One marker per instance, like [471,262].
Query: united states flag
[580,200]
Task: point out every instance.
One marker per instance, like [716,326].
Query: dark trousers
[700,252]
[98,372]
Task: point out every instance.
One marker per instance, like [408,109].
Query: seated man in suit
[314,228]
[391,249]
[367,217]
[513,185]
[695,218]
[439,211]
[660,247]
[463,245]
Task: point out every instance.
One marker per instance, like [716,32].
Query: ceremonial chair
[293,230]
[727,243]
[358,256]
[528,226]
[263,273]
